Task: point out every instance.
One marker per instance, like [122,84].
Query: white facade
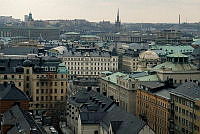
[90,66]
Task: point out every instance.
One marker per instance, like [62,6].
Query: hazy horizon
[135,11]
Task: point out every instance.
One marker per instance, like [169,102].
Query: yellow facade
[44,89]
[186,115]
[153,109]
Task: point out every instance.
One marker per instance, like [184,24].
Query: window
[27,78]
[55,97]
[27,71]
[61,91]
[27,85]
[19,84]
[19,76]
[55,90]
[37,84]
[42,98]
[62,83]
[96,132]
[42,91]
[55,84]
[37,98]
[5,77]
[13,76]
[37,91]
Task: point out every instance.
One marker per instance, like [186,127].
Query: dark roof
[91,112]
[123,122]
[89,100]
[188,89]
[11,92]
[152,84]
[91,117]
[19,50]
[21,121]
[9,66]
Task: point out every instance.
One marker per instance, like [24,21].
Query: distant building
[30,32]
[185,107]
[88,112]
[89,64]
[172,37]
[177,70]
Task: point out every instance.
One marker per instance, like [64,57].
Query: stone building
[122,87]
[177,69]
[153,104]
[88,112]
[185,109]
[89,64]
[44,80]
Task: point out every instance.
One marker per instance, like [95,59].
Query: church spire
[118,16]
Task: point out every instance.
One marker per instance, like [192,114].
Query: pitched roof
[21,121]
[10,92]
[188,89]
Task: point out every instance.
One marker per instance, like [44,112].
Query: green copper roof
[175,67]
[177,55]
[62,69]
[148,78]
[113,78]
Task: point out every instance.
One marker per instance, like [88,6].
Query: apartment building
[122,87]
[89,64]
[44,80]
[185,109]
[89,112]
[153,104]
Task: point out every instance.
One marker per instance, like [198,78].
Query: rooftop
[189,89]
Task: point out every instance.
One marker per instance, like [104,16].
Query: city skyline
[136,11]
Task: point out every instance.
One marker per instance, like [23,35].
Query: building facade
[185,109]
[45,81]
[89,64]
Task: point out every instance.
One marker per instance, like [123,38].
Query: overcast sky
[98,10]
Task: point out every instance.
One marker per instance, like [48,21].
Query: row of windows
[89,68]
[182,101]
[89,59]
[51,76]
[50,84]
[42,91]
[88,63]
[48,98]
[12,77]
[186,123]
[185,112]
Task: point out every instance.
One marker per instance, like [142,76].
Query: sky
[136,11]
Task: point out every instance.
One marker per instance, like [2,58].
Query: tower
[117,22]
[179,19]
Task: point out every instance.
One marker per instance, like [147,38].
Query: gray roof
[126,122]
[189,89]
[10,92]
[121,121]
[21,121]
[19,50]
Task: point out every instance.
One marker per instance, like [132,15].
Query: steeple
[179,19]
[118,16]
[117,23]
